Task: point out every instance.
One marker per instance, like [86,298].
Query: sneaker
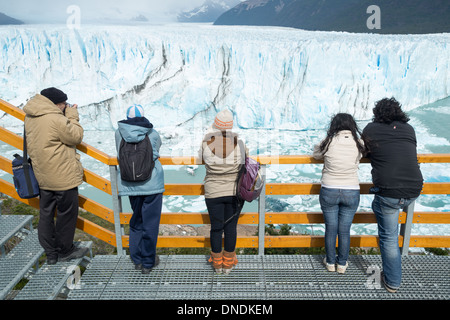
[341,269]
[388,288]
[145,270]
[137,265]
[75,253]
[330,267]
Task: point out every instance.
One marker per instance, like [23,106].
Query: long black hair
[342,121]
[389,110]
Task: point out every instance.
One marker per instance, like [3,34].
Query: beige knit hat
[223,120]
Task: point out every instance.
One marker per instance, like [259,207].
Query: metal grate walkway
[269,277]
[11,224]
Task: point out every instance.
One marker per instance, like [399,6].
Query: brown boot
[229,261]
[217,261]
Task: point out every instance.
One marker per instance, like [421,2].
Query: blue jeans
[144,228]
[386,211]
[338,207]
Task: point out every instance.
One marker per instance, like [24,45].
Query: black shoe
[138,266]
[386,286]
[146,270]
[52,261]
[75,253]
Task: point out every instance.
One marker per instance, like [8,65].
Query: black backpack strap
[239,206]
[242,149]
[25,163]
[24,143]
[241,165]
[240,202]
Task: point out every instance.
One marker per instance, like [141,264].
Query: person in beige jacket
[341,151]
[53,131]
[222,156]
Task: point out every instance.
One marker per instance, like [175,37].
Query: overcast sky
[55,11]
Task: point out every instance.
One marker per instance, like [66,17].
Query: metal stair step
[18,262]
[50,280]
[11,224]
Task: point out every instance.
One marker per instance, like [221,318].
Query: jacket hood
[39,106]
[135,129]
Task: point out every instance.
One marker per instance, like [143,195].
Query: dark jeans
[144,228]
[56,237]
[220,210]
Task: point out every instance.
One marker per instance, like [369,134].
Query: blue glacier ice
[272,78]
[281,84]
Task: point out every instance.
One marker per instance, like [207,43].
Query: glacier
[281,84]
[270,78]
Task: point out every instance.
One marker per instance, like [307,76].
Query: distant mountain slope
[399,16]
[208,12]
[4,19]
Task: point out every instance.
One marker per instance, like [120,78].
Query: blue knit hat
[135,111]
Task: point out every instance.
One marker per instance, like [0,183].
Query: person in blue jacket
[145,196]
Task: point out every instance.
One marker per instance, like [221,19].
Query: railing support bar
[117,208]
[262,214]
[2,248]
[405,229]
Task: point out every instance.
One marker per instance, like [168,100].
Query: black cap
[54,95]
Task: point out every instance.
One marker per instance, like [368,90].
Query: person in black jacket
[396,176]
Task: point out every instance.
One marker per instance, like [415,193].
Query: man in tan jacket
[53,131]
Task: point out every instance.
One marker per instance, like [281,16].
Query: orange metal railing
[260,218]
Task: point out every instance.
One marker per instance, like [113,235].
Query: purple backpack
[250,181]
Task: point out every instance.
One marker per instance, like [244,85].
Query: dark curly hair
[342,121]
[389,110]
